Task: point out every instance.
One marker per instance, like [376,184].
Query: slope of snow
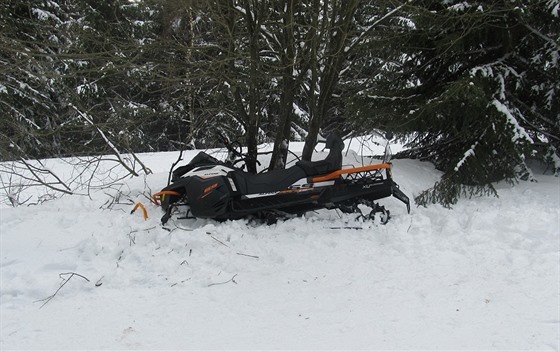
[482,276]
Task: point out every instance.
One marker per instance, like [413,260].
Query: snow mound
[482,276]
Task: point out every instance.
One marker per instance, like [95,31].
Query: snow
[44,15]
[554,6]
[467,154]
[482,276]
[461,6]
[519,132]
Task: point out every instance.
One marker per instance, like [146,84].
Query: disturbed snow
[481,276]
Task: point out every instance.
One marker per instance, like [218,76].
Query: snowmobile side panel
[208,197]
[281,200]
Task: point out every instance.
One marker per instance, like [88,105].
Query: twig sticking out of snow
[223,283]
[64,282]
[248,255]
[220,242]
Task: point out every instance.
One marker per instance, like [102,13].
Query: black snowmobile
[209,188]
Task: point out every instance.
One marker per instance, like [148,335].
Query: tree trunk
[336,54]
[282,140]
[253,27]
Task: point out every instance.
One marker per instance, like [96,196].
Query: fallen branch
[175,164]
[220,242]
[223,283]
[346,228]
[64,282]
[34,170]
[248,255]
[180,282]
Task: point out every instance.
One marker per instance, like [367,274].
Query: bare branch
[223,283]
[64,282]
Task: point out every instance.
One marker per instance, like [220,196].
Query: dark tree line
[471,85]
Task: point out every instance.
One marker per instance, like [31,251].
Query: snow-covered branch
[519,132]
[359,39]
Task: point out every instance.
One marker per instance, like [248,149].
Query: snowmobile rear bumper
[397,193]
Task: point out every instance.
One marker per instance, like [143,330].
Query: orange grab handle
[159,196]
[337,174]
[144,211]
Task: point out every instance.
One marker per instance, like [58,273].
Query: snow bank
[482,276]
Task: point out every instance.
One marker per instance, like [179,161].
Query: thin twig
[248,255]
[217,240]
[48,299]
[175,164]
[111,145]
[223,283]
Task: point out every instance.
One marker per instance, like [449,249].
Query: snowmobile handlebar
[236,151]
[225,141]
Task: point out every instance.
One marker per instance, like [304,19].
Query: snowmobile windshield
[376,147]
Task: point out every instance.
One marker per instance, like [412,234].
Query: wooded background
[471,85]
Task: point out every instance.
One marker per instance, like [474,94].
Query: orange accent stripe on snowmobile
[338,173]
[208,189]
[144,211]
[160,196]
[211,187]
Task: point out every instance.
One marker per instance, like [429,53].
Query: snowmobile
[209,188]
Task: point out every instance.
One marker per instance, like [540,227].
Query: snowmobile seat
[272,181]
[332,162]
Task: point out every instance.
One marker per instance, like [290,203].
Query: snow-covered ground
[484,275]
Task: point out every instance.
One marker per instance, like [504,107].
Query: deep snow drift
[482,276]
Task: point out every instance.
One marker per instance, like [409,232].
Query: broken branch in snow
[346,228]
[248,255]
[220,242]
[179,158]
[223,283]
[180,282]
[38,171]
[64,282]
[132,238]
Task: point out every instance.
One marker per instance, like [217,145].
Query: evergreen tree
[474,84]
[31,90]
[113,77]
